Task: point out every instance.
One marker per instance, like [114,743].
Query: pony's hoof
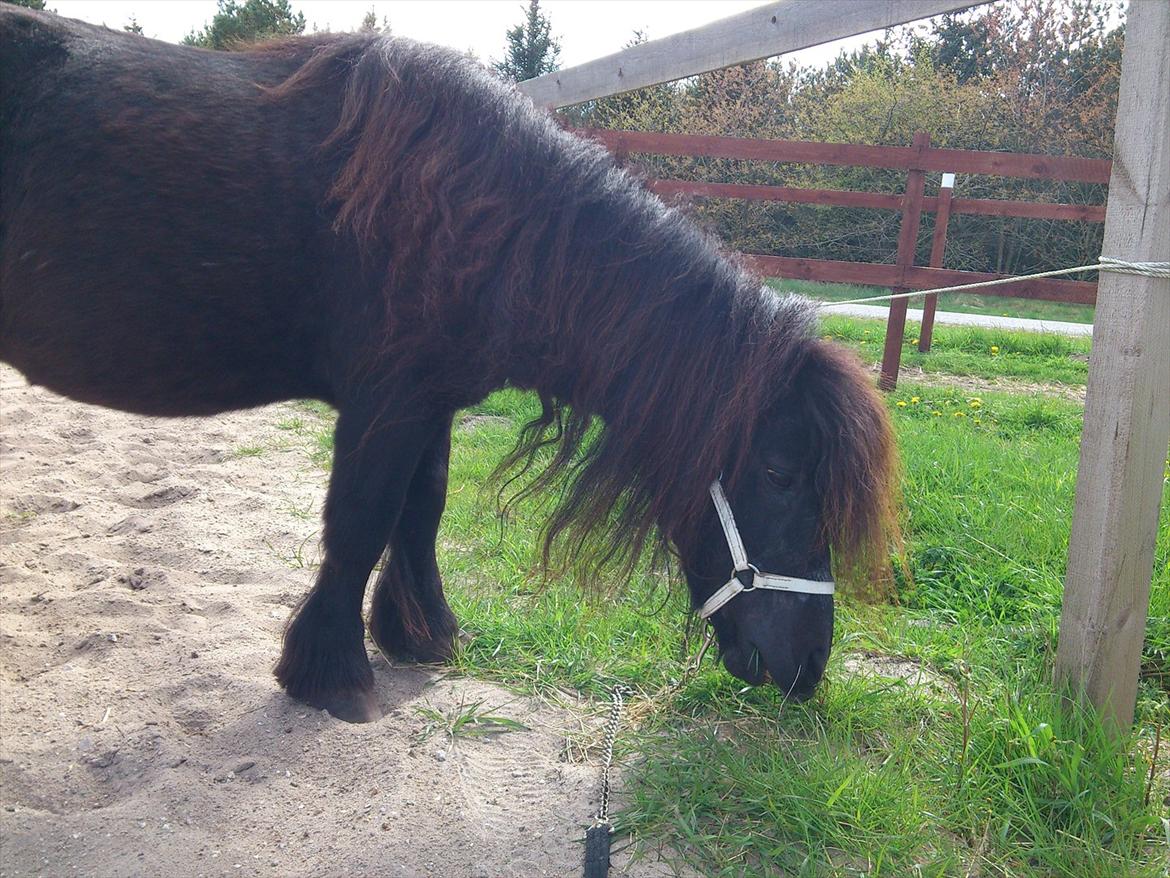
[395,644]
[327,671]
[351,707]
[431,651]
[353,704]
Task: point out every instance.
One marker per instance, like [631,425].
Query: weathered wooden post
[938,249]
[907,244]
[1127,406]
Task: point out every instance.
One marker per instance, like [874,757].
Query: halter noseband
[747,576]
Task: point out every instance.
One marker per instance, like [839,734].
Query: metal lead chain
[611,729]
[597,837]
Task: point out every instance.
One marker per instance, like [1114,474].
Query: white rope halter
[747,576]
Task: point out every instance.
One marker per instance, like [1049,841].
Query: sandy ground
[147,569]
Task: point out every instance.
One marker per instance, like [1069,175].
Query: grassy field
[992,354]
[963,303]
[972,770]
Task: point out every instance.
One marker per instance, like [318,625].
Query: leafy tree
[970,47]
[531,50]
[30,4]
[133,26]
[237,24]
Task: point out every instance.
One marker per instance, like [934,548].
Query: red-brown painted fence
[962,161]
[916,159]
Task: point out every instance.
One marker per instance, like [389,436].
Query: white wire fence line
[1106,263]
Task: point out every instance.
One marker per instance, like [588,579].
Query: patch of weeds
[1040,414]
[316,427]
[464,721]
[303,512]
[1011,416]
[298,558]
[317,408]
[249,451]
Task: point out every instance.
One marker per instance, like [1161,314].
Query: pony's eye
[780,479]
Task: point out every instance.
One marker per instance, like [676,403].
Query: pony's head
[798,440]
[813,495]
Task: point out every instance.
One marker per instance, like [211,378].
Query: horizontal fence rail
[961,161]
[878,200]
[763,32]
[916,160]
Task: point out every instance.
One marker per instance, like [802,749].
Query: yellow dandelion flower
[901,403]
[975,404]
[994,349]
[937,414]
[959,415]
[913,341]
[916,399]
[976,421]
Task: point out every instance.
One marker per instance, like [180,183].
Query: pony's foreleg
[409,617]
[324,661]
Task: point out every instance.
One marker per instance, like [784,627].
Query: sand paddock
[148,567]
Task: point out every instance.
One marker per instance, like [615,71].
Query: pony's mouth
[746,663]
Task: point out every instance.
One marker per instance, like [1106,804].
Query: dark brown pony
[382,225]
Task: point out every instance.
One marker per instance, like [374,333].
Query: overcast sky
[587,29]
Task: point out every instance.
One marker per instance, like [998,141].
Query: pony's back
[159,219]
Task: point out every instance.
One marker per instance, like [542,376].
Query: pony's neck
[619,310]
[630,325]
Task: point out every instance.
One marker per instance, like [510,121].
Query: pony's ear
[857,474]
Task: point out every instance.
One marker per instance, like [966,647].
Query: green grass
[963,303]
[464,721]
[980,772]
[991,354]
[249,451]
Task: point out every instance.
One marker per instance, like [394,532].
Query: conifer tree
[531,50]
[237,24]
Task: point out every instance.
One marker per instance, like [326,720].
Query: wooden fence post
[938,248]
[1127,403]
[907,243]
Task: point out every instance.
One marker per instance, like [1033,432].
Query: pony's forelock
[857,472]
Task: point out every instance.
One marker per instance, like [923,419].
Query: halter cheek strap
[747,576]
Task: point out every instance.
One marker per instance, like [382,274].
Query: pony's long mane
[508,250]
